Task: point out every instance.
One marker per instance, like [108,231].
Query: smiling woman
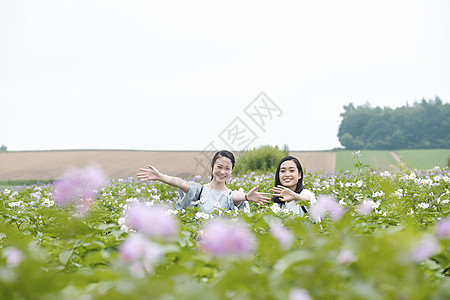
[212,195]
[289,192]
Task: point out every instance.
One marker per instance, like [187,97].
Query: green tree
[264,158]
[424,125]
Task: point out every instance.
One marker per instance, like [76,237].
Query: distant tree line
[3,148]
[424,125]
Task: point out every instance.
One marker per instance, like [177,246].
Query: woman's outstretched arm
[287,195]
[253,196]
[153,174]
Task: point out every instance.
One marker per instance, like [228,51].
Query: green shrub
[264,158]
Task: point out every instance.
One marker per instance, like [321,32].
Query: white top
[295,206]
[212,198]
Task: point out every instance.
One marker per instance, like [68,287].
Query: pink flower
[424,249]
[222,239]
[443,228]
[365,207]
[138,248]
[346,257]
[13,257]
[356,154]
[299,294]
[79,184]
[140,254]
[152,221]
[326,204]
[283,235]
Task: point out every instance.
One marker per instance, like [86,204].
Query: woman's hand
[151,173]
[285,194]
[257,197]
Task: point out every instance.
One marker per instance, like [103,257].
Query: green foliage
[3,148]
[71,255]
[264,158]
[425,125]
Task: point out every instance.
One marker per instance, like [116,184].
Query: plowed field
[45,165]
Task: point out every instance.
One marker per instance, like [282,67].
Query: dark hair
[223,153]
[299,186]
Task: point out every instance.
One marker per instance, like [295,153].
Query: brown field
[48,165]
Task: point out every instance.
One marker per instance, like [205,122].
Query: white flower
[48,202]
[150,203]
[36,195]
[201,215]
[412,176]
[132,200]
[13,204]
[202,201]
[385,174]
[423,205]
[378,194]
[217,205]
[275,208]
[342,202]
[359,197]
[172,211]
[398,193]
[7,192]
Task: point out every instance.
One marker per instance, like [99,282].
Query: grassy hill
[384,160]
[424,159]
[377,160]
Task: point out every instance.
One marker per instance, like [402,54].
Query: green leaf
[64,256]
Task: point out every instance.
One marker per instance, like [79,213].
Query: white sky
[173,75]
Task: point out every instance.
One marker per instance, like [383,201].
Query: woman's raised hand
[285,194]
[151,173]
[257,197]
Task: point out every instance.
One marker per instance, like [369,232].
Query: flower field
[371,235]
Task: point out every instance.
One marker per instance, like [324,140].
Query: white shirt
[295,206]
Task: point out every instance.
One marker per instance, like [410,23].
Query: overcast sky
[188,75]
